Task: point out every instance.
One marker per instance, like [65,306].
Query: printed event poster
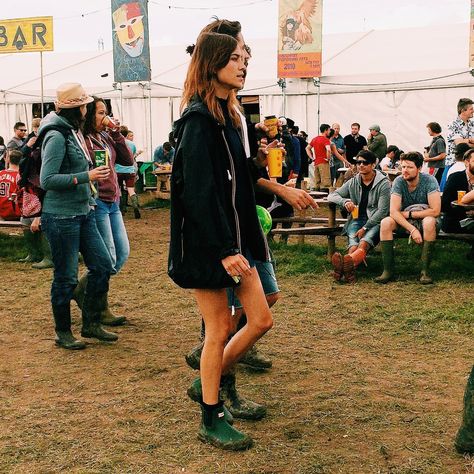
[130,39]
[471,45]
[300,38]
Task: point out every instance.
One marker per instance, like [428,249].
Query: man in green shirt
[377,142]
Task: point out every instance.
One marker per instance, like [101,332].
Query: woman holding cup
[107,146]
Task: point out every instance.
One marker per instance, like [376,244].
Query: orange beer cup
[275,162]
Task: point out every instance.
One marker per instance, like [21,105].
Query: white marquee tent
[400,79]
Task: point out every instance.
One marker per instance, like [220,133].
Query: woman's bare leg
[216,314]
[259,320]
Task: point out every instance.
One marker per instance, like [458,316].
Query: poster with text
[300,38]
[471,44]
[130,39]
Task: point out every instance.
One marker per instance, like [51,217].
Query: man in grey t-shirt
[415,205]
[436,153]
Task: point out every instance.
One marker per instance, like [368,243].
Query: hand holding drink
[109,122]
[271,122]
[461,194]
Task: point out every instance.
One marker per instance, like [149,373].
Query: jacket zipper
[267,250]
[237,226]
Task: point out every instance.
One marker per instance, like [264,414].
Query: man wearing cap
[377,142]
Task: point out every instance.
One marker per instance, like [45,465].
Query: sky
[82,24]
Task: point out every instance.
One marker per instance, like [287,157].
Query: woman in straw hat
[68,216]
[215,232]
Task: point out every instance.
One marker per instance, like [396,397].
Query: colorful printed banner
[130,38]
[471,45]
[25,35]
[300,38]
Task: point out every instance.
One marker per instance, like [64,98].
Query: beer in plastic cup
[275,162]
[271,122]
[461,194]
[109,122]
[101,157]
[355,212]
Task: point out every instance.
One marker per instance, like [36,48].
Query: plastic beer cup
[275,162]
[355,212]
[460,196]
[271,122]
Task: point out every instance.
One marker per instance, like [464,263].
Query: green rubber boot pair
[33,246]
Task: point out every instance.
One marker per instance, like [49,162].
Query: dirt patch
[366,379]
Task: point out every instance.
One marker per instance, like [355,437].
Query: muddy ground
[366,379]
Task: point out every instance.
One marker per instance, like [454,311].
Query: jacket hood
[196,106]
[53,121]
[379,177]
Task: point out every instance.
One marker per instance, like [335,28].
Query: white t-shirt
[458,166]
[385,162]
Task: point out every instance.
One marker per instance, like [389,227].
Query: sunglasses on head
[362,162]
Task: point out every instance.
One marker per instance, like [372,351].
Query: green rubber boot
[426,254]
[195,394]
[255,360]
[193,359]
[464,442]
[107,318]
[33,246]
[216,430]
[388,261]
[239,407]
[136,206]
[91,326]
[46,262]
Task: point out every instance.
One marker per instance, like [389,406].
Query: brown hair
[211,54]
[435,127]
[463,104]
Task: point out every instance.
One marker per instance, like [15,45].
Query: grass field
[366,378]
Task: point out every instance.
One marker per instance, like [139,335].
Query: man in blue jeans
[366,197]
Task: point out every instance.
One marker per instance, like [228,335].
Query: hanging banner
[130,38]
[471,45]
[26,35]
[300,38]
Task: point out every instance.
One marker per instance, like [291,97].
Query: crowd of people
[65,179]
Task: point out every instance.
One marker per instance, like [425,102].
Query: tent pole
[317,84]
[150,118]
[42,83]
[282,84]
[121,103]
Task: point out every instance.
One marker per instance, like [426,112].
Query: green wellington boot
[107,318]
[216,430]
[388,262]
[33,246]
[240,407]
[91,326]
[464,442]
[193,359]
[136,206]
[195,394]
[255,360]
[62,326]
[426,254]
[46,262]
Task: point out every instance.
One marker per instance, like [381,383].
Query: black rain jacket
[204,221]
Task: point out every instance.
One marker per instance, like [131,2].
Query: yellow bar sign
[24,35]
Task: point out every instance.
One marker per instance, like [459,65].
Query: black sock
[208,412]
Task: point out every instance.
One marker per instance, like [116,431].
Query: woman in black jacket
[215,233]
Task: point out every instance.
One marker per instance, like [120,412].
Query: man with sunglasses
[19,137]
[366,197]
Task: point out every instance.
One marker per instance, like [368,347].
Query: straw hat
[70,95]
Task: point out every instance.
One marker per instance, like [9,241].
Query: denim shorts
[372,236]
[266,272]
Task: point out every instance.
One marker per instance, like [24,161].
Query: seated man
[415,204]
[458,181]
[163,155]
[9,208]
[390,161]
[368,193]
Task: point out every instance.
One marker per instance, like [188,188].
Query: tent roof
[355,60]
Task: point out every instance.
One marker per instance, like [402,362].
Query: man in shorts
[415,205]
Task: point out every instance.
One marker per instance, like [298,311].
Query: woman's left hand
[236,265]
[36,225]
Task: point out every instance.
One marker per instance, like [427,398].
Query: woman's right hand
[99,174]
[236,265]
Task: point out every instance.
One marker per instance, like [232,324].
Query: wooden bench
[10,224]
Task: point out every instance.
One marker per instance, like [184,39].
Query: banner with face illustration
[300,38]
[130,38]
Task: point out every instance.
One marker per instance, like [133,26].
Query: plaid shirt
[457,129]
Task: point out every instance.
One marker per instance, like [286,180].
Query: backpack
[30,195]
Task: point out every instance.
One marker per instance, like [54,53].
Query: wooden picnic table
[163,185]
[466,207]
[392,174]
